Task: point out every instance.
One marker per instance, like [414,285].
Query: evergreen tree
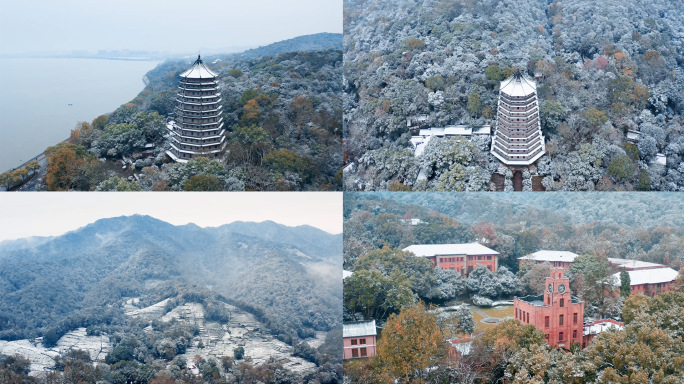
[625,283]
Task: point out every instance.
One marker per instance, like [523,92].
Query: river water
[35,98]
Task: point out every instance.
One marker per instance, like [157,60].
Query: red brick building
[458,257]
[359,340]
[559,315]
[650,281]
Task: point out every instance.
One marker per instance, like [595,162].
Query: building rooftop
[545,255]
[649,276]
[518,85]
[199,71]
[359,328]
[636,264]
[428,250]
[538,300]
[599,326]
[346,273]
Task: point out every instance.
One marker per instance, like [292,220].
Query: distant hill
[283,271]
[307,43]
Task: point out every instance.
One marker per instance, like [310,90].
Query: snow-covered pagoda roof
[199,71]
[359,328]
[545,255]
[428,250]
[649,276]
[518,85]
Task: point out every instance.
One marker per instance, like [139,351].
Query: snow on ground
[43,358]
[242,330]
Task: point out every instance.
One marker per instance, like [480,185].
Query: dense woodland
[393,286]
[52,286]
[282,111]
[377,227]
[603,69]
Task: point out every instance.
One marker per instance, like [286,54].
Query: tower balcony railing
[518,106]
[510,126]
[199,88]
[201,102]
[517,119]
[515,113]
[198,82]
[197,121]
[195,97]
[201,108]
[197,115]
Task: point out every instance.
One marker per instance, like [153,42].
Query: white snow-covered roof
[649,276]
[518,85]
[464,346]
[199,71]
[633,135]
[661,159]
[600,326]
[483,130]
[457,130]
[359,328]
[545,255]
[427,250]
[346,273]
[633,263]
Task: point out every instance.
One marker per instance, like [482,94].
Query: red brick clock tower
[559,315]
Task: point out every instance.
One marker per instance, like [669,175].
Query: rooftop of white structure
[359,328]
[346,273]
[633,263]
[648,276]
[518,85]
[199,70]
[545,255]
[601,326]
[427,250]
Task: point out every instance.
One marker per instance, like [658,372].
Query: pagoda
[197,129]
[518,139]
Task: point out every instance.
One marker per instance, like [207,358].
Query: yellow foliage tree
[411,342]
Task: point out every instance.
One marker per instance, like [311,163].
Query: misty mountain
[260,264]
[307,43]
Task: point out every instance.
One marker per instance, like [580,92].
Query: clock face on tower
[550,287]
[561,288]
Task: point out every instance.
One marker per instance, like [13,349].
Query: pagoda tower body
[518,138]
[197,129]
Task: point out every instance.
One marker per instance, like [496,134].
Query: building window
[562,303]
[353,342]
[489,257]
[560,336]
[548,300]
[560,320]
[363,352]
[574,318]
[574,334]
[528,317]
[362,341]
[516,313]
[355,352]
[546,321]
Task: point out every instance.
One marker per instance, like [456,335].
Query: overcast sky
[168,25]
[50,213]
